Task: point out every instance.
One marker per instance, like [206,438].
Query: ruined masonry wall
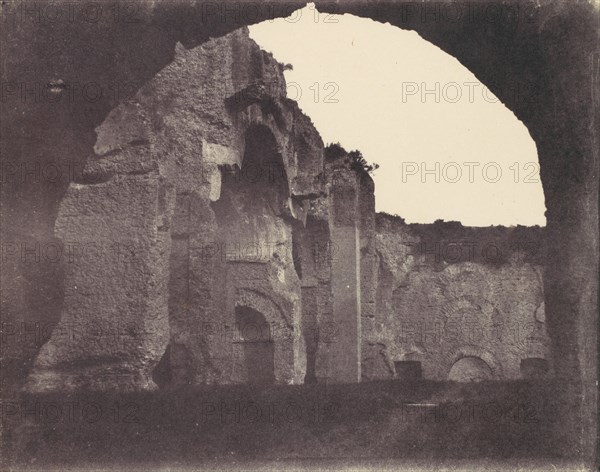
[211,158]
[444,292]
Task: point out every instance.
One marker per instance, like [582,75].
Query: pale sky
[364,84]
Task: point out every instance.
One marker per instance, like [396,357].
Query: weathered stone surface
[114,323]
[445,292]
[226,146]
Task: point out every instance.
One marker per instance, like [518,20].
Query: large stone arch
[553,49]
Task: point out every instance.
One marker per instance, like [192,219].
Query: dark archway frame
[550,51]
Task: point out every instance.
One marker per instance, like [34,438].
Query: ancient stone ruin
[105,271]
[223,243]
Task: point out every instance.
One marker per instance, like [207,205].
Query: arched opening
[441,137]
[438,133]
[258,351]
[470,369]
[561,64]
[256,268]
[258,187]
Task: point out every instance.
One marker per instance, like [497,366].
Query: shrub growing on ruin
[354,159]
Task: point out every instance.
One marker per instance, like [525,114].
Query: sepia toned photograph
[272,235]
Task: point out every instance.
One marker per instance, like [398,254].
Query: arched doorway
[258,349]
[470,369]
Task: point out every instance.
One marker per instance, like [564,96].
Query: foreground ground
[391,425]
